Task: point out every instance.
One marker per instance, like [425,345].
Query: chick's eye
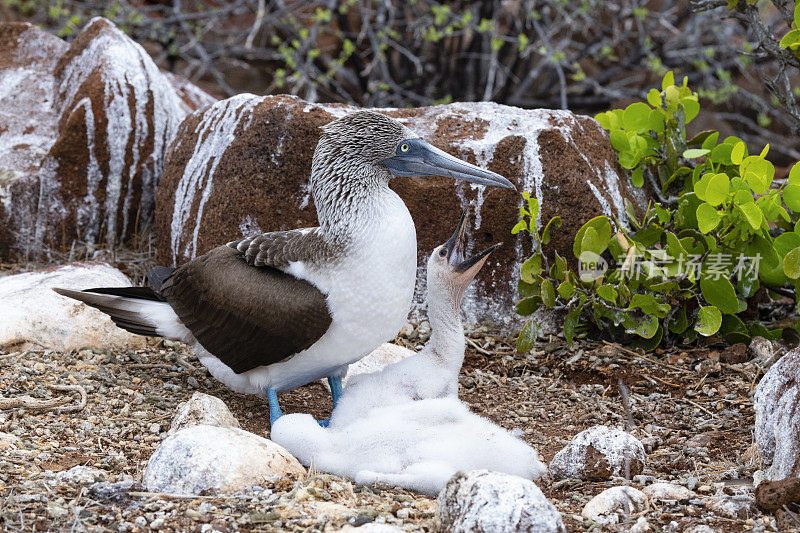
[405,147]
[443,252]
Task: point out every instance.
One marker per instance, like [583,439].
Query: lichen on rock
[777,425]
[487,502]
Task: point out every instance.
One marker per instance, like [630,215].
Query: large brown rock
[83,134]
[242,165]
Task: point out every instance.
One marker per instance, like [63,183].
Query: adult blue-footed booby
[273,312]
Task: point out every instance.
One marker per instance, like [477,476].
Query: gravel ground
[692,411]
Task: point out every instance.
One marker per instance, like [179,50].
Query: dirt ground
[691,409]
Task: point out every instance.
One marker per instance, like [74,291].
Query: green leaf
[528,306]
[700,138]
[527,337]
[646,328]
[719,292]
[737,153]
[678,323]
[791,197]
[707,217]
[702,185]
[718,189]
[619,140]
[548,293]
[521,225]
[709,320]
[753,214]
[637,177]
[691,108]
[608,293]
[530,268]
[790,39]
[786,242]
[649,305]
[555,222]
[797,14]
[668,81]
[636,117]
[710,142]
[794,174]
[654,98]
[791,264]
[566,290]
[602,227]
[694,153]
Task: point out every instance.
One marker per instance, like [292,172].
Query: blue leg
[336,389]
[336,393]
[274,409]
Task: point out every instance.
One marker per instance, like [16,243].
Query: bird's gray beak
[415,157]
[465,268]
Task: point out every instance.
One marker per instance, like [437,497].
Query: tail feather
[130,308]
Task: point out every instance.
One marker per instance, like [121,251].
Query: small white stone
[480,500]
[216,459]
[610,505]
[202,409]
[599,453]
[668,491]
[641,526]
[9,442]
[81,475]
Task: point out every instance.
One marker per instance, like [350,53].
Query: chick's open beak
[465,267]
[415,157]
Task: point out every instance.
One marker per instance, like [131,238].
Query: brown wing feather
[246,316]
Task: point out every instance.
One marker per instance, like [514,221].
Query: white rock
[777,425]
[32,315]
[81,475]
[738,507]
[641,526]
[9,442]
[668,491]
[599,453]
[702,528]
[202,409]
[610,505]
[216,459]
[382,356]
[483,501]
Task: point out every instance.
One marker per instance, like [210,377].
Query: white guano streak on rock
[216,131]
[128,75]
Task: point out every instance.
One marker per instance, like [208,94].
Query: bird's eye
[443,252]
[405,147]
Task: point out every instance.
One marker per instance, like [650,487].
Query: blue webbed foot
[324,423]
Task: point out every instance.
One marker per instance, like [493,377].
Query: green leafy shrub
[723,231]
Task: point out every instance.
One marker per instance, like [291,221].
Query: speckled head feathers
[364,134]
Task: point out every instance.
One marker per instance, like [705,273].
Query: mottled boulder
[480,501]
[33,316]
[613,505]
[211,459]
[202,409]
[83,134]
[242,166]
[598,454]
[777,407]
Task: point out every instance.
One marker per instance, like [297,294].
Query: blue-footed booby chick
[433,371]
[404,424]
[273,312]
